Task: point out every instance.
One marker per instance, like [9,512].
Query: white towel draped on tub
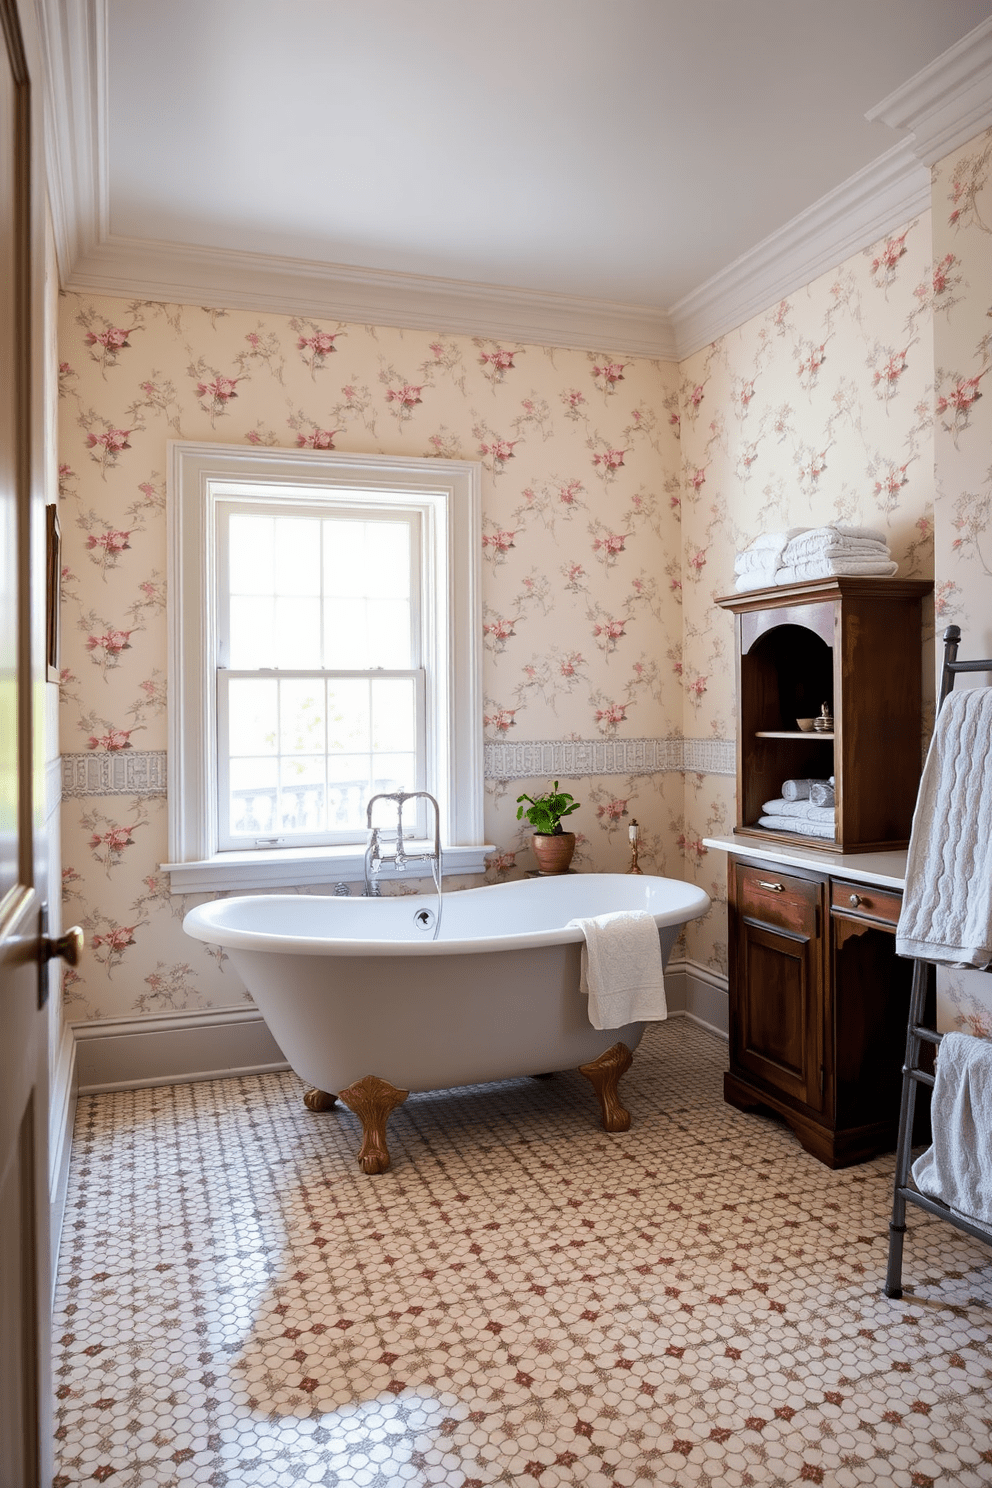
[957,1169]
[621,968]
[946,912]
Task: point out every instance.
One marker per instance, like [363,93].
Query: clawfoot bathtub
[367,1007]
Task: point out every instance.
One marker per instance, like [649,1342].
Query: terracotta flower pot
[553,854]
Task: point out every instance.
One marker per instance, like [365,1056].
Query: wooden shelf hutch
[818,997]
[854,644]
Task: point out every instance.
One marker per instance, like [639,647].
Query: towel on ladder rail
[957,1169]
[946,912]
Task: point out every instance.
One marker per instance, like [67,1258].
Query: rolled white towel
[822,793]
[798,824]
[801,790]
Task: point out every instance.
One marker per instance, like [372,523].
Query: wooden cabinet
[818,1006]
[856,645]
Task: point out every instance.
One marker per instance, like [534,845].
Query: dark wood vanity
[818,997]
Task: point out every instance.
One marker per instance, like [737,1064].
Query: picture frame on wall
[53,597]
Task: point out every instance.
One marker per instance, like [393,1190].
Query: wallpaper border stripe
[143,772]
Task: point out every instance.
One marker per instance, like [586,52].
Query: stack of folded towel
[812,553]
[805,806]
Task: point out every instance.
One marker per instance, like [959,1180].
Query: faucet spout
[374,858]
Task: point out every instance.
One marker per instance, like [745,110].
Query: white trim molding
[946,104]
[871,203]
[448,495]
[174,1048]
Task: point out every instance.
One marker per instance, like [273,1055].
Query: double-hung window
[325,648]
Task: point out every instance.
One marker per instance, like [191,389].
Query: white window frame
[447,494]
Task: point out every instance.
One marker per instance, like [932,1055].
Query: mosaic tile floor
[522,1299]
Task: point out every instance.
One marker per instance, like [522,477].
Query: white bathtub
[356,987]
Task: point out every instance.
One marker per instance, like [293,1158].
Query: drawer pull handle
[855,900]
[776,888]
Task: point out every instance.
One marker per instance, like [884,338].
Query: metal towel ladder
[918,1033]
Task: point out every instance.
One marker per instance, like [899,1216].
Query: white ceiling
[596,170]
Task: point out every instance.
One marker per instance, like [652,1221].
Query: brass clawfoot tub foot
[372,1101]
[603,1075]
[319,1100]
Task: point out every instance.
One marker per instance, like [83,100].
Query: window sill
[295,867]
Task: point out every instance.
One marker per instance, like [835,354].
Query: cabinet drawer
[778,899]
[864,900]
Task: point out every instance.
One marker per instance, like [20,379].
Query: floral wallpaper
[818,410]
[581,575]
[962,247]
[616,494]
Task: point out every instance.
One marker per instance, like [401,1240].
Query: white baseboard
[62,1114]
[696,992]
[174,1049]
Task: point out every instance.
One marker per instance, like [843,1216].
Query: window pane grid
[331,592]
[303,752]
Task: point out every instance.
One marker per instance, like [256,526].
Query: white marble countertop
[886,869]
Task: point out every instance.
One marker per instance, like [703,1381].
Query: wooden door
[777,981]
[25,1457]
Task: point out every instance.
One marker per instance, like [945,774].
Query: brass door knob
[69,946]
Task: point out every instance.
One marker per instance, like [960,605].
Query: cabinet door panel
[777,1034]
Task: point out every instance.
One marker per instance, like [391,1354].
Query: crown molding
[145,269]
[74,51]
[848,219]
[946,104]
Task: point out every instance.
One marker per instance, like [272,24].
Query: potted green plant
[553,846]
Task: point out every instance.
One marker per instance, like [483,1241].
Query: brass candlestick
[634,832]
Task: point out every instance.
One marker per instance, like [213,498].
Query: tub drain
[424,919]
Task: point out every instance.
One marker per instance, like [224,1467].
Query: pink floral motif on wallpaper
[607,545]
[109,839]
[105,646]
[886,260]
[938,290]
[214,389]
[968,183]
[313,343]
[172,987]
[104,448]
[953,407]
[500,719]
[574,403]
[888,371]
[611,812]
[607,375]
[556,674]
[109,946]
[497,632]
[811,359]
[608,630]
[111,740]
[494,450]
[496,363]
[444,445]
[496,545]
[606,462]
[575,576]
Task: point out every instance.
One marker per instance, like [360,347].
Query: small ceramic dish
[806,724]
